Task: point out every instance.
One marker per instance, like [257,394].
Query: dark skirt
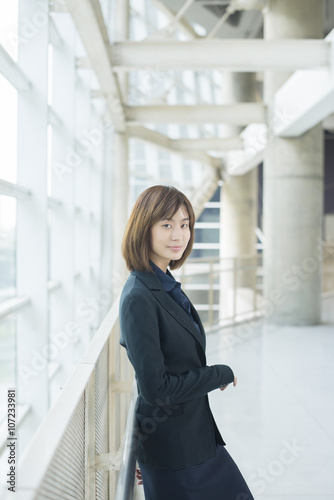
[216,479]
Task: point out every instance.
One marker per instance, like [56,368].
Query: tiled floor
[278,422]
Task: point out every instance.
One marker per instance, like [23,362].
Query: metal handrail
[126,477]
[95,395]
[215,267]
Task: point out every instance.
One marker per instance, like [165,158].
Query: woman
[181,453]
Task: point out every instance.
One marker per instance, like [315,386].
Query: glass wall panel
[7,361]
[7,247]
[210,215]
[9,27]
[8,131]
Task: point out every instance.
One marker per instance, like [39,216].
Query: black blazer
[176,428]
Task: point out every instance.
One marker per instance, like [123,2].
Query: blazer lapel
[175,310]
[196,317]
[172,307]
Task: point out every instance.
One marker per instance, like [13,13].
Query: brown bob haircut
[153,205]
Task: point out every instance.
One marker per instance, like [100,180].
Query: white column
[61,300]
[32,226]
[239,220]
[107,214]
[293,188]
[84,312]
[101,293]
[239,206]
[120,204]
[120,192]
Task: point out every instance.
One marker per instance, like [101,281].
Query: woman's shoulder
[135,301]
[131,284]
[135,289]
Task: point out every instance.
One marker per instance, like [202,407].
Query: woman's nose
[176,233]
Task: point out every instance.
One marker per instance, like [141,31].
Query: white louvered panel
[101,421]
[65,478]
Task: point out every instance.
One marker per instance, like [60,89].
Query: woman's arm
[158,387]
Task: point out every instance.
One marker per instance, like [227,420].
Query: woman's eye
[184,225]
[166,225]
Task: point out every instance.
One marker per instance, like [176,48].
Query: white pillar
[84,153]
[120,193]
[120,205]
[239,220]
[32,227]
[293,188]
[238,209]
[62,216]
[107,212]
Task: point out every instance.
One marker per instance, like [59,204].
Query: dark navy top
[173,288]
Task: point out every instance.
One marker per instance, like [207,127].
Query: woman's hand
[223,387]
[138,476]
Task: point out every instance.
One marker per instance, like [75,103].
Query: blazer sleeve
[140,336]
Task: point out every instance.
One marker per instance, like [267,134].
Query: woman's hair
[153,205]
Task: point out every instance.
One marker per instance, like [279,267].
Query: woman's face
[169,238]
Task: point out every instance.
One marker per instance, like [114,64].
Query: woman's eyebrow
[186,218]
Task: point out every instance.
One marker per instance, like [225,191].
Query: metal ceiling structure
[230,55]
[229,41]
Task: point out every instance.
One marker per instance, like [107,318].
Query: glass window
[7,247]
[139,150]
[206,235]
[163,154]
[7,360]
[204,253]
[209,215]
[187,171]
[49,159]
[8,131]
[9,27]
[216,196]
[165,170]
[50,74]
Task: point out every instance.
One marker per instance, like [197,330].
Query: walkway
[278,422]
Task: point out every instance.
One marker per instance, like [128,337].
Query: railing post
[255,282]
[234,287]
[183,273]
[112,407]
[90,489]
[126,479]
[122,394]
[211,292]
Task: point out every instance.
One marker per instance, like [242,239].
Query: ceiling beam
[305,99]
[206,144]
[254,138]
[245,163]
[12,72]
[205,192]
[181,24]
[233,55]
[250,4]
[88,19]
[164,142]
[328,123]
[232,114]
